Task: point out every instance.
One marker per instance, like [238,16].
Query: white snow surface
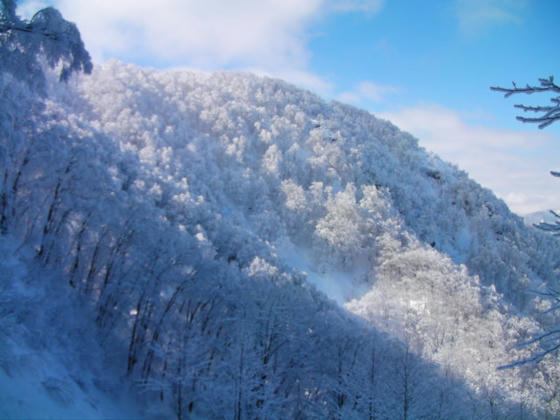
[51,365]
[251,178]
[371,219]
[340,286]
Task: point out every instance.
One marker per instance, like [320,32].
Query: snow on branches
[47,35]
[549,114]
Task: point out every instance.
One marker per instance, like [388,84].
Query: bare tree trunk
[76,263]
[48,227]
[155,337]
[132,360]
[239,401]
[92,267]
[371,402]
[4,205]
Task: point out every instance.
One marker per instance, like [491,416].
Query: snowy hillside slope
[51,363]
[332,179]
[257,142]
[198,213]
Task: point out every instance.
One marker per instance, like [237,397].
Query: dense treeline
[215,330]
[167,201]
[202,335]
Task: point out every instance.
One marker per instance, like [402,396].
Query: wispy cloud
[270,35]
[28,8]
[369,6]
[367,91]
[514,164]
[300,77]
[478,16]
[204,33]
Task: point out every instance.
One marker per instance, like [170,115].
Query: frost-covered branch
[553,227]
[7,27]
[549,114]
[550,343]
[46,35]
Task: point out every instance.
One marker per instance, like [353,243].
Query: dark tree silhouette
[548,114]
[47,34]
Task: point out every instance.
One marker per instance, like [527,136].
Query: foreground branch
[550,113]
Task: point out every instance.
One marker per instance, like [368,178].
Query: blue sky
[425,65]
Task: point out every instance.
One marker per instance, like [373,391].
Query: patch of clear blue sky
[420,48]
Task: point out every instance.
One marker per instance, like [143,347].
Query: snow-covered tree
[186,211]
[46,35]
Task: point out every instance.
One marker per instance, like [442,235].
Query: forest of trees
[162,199]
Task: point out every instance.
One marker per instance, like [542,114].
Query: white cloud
[270,35]
[514,164]
[299,77]
[369,6]
[367,91]
[477,16]
[204,33]
[28,8]
[209,34]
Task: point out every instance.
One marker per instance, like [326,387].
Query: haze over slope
[198,212]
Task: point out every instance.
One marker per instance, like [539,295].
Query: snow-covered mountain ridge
[279,145]
[199,211]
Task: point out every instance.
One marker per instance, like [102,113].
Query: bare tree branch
[549,115]
[28,29]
